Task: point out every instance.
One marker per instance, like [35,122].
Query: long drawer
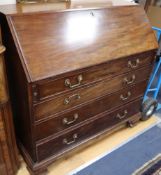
[75,80]
[65,121]
[77,97]
[73,137]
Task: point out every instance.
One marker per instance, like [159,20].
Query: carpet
[153,167]
[127,159]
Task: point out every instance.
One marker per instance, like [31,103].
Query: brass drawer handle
[122,116]
[134,64]
[66,122]
[74,137]
[131,80]
[125,98]
[68,82]
[68,99]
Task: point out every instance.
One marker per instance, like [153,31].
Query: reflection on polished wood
[76,38]
[72,74]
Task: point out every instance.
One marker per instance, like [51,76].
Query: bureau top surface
[54,43]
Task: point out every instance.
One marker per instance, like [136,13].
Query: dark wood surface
[83,132]
[9,162]
[114,57]
[88,93]
[49,88]
[57,124]
[78,39]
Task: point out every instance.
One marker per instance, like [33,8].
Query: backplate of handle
[69,84]
[124,98]
[133,64]
[122,116]
[66,121]
[131,80]
[69,142]
[68,99]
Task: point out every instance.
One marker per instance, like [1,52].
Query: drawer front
[86,94]
[72,138]
[74,117]
[50,88]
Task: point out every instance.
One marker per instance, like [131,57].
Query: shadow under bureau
[75,75]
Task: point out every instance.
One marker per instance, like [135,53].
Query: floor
[108,143]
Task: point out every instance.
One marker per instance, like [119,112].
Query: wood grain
[9,162]
[104,122]
[79,39]
[85,112]
[9,155]
[114,48]
[88,93]
[49,88]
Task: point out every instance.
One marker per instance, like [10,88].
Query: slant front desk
[75,75]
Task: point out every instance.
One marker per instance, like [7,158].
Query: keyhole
[92,13]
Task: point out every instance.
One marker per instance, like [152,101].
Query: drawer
[77,97]
[46,89]
[73,137]
[64,121]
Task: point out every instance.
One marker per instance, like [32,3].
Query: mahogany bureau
[75,75]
